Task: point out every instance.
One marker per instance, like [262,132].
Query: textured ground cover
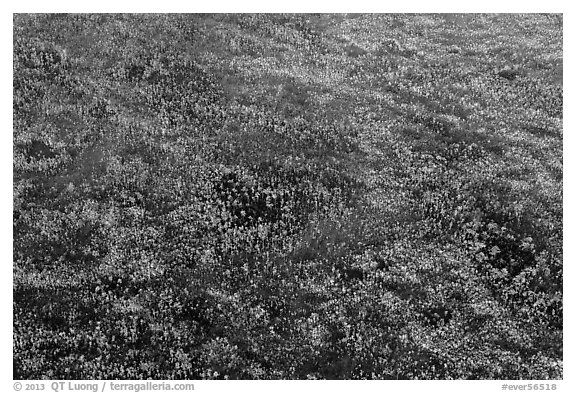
[287,196]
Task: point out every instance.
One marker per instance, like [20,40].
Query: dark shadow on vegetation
[437,315]
[37,150]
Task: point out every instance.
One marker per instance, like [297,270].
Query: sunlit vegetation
[287,196]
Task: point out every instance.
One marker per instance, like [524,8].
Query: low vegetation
[287,196]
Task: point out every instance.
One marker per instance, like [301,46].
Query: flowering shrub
[287,196]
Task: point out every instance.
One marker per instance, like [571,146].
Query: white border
[295,6]
[323,6]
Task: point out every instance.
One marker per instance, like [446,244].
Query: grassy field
[287,196]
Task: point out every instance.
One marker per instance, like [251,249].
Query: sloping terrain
[288,196]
